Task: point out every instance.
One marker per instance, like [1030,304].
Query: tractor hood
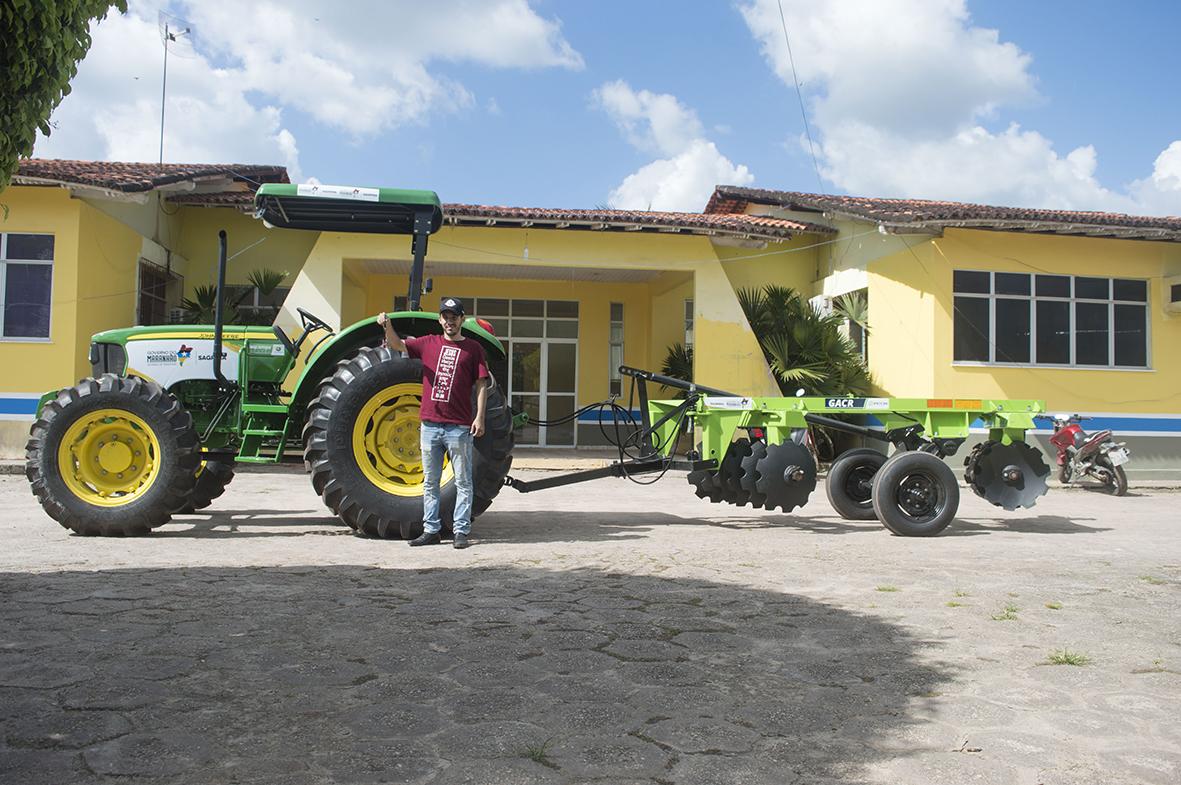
[343,208]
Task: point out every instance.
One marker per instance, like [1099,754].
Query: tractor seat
[283,339]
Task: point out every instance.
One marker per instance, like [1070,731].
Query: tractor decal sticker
[857,403]
[728,402]
[445,373]
[167,362]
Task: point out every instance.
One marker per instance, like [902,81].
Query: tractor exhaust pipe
[218,316]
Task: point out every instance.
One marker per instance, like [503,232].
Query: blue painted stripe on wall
[1166,424]
[20,406]
[606,415]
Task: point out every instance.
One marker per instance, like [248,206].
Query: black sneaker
[425,539]
[461,541]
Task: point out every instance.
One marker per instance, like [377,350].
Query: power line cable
[799,95]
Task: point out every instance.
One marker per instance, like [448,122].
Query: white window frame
[4,261]
[690,322]
[614,377]
[1033,298]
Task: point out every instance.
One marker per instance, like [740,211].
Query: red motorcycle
[1082,456]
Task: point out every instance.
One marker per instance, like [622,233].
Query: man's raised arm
[392,339]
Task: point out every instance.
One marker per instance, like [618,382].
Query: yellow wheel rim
[386,441]
[109,457]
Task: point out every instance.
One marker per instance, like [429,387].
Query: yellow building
[1080,309]
[574,293]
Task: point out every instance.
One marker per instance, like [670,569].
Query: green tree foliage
[804,348]
[678,364]
[202,306]
[41,43]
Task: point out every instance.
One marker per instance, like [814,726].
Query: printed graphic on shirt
[445,373]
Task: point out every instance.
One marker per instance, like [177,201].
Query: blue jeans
[457,441]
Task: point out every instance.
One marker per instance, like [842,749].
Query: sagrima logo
[183,353]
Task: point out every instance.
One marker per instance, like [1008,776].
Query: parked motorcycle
[1082,456]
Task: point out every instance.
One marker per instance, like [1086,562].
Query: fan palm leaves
[804,348]
[678,364]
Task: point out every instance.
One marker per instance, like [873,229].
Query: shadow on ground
[481,675]
[566,526]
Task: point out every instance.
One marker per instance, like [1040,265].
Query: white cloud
[900,95]
[684,178]
[358,68]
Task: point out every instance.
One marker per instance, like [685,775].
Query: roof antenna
[177,31]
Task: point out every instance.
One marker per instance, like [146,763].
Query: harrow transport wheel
[112,456]
[212,478]
[785,476]
[915,494]
[361,445]
[850,483]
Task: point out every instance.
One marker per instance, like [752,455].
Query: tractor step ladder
[264,436]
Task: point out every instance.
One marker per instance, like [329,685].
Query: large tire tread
[173,427]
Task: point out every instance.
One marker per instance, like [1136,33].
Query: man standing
[452,366]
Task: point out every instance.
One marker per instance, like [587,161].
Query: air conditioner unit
[1173,294]
[177,316]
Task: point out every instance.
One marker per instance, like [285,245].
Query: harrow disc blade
[706,485]
[1007,475]
[748,476]
[786,476]
[730,473]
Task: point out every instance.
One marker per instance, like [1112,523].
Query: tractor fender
[367,332]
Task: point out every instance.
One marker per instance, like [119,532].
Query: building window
[615,353]
[1053,320]
[158,289]
[26,284]
[688,324]
[254,306]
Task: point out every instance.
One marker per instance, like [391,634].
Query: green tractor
[170,410]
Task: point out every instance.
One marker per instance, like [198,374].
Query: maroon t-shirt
[449,372]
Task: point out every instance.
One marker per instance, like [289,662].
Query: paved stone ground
[603,632]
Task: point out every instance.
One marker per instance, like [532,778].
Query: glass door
[525,386]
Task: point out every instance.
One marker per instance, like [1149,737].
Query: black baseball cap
[451,304]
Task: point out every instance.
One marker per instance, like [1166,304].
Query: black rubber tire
[1119,478]
[347,491]
[909,474]
[212,478]
[172,427]
[850,482]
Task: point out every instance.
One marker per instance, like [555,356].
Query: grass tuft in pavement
[1068,657]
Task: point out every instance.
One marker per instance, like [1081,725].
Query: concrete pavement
[603,632]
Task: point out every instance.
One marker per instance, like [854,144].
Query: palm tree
[803,347]
[678,364]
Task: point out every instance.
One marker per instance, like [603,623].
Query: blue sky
[562,103]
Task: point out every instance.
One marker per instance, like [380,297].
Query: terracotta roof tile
[931,214]
[736,223]
[138,177]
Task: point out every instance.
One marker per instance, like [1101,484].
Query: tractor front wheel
[112,456]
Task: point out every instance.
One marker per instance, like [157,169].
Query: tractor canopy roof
[345,208]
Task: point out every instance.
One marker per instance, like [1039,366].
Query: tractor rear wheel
[112,456]
[212,478]
[361,445]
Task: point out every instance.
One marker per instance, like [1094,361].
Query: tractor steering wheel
[311,322]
